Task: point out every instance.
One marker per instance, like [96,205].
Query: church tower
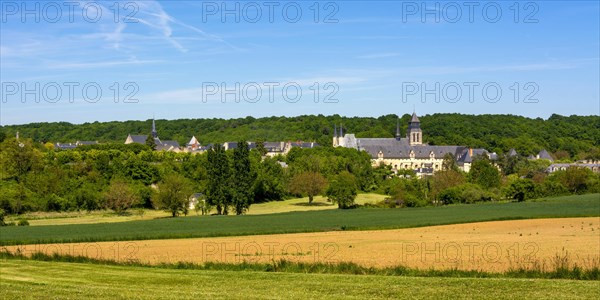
[397,129]
[154,133]
[336,142]
[341,139]
[414,133]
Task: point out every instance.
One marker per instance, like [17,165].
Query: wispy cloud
[154,16]
[99,64]
[148,37]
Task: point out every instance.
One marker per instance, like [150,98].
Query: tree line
[121,177]
[486,181]
[567,137]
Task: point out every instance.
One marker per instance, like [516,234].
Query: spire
[335,131]
[154,133]
[414,118]
[397,129]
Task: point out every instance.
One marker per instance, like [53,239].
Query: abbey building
[409,152]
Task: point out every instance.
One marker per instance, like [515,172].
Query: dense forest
[569,137]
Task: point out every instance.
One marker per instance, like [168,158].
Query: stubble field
[486,246]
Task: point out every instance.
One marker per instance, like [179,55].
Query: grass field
[68,218]
[35,279]
[313,221]
[301,204]
[83,217]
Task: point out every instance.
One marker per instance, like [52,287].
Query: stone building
[409,152]
[160,144]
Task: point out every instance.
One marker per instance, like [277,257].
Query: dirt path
[491,246]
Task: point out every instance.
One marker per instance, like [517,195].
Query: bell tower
[414,133]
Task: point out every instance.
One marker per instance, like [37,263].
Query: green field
[326,220]
[107,216]
[38,280]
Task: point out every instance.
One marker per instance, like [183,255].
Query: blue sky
[368,58]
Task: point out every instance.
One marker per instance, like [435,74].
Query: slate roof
[392,148]
[274,146]
[174,144]
[555,167]
[139,139]
[414,118]
[305,145]
[512,152]
[65,146]
[545,155]
[68,146]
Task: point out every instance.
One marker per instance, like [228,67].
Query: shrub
[56,203]
[521,189]
[409,193]
[23,222]
[552,188]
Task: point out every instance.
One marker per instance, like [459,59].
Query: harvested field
[486,246]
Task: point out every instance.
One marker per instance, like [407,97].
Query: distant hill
[499,133]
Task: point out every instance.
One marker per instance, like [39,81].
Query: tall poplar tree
[218,190]
[242,179]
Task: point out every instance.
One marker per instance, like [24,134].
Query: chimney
[471,152]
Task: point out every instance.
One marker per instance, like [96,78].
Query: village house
[194,146]
[160,145]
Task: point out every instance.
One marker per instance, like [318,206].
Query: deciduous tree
[218,189]
[242,179]
[307,183]
[343,190]
[119,196]
[173,194]
[484,173]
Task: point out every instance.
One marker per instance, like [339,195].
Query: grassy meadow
[38,279]
[307,221]
[107,216]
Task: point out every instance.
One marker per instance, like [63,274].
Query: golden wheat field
[486,246]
